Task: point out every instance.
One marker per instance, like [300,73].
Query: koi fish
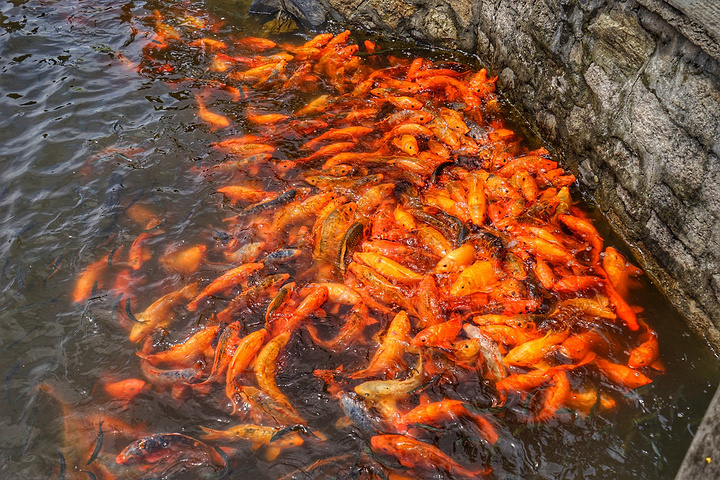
[622,375]
[241,359]
[266,367]
[229,340]
[440,335]
[646,353]
[457,259]
[184,261]
[225,282]
[312,302]
[187,353]
[90,279]
[438,413]
[377,391]
[413,453]
[354,323]
[269,408]
[475,278]
[388,358]
[166,447]
[216,121]
[257,435]
[126,389]
[387,267]
[532,352]
[161,312]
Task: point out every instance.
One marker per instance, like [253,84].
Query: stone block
[346,8]
[588,174]
[391,12]
[483,47]
[633,208]
[692,100]
[678,262]
[627,167]
[710,190]
[692,226]
[580,124]
[547,123]
[605,89]
[440,25]
[715,282]
[619,43]
[506,79]
[667,151]
[463,12]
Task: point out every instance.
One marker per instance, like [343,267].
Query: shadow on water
[82,138]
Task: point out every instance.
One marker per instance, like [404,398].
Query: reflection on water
[83,136]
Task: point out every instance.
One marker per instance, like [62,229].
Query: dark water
[82,137]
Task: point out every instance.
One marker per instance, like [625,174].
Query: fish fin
[424,398]
[343,422]
[272,453]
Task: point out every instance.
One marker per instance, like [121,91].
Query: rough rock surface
[632,104]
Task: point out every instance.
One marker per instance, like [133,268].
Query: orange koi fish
[475,278]
[586,231]
[289,322]
[161,312]
[622,375]
[208,44]
[387,268]
[184,261]
[239,193]
[187,353]
[227,344]
[555,396]
[619,271]
[440,335]
[266,367]
[438,413]
[255,44]
[579,345]
[532,352]
[458,259]
[353,325]
[353,133]
[143,216]
[214,120]
[241,359]
[266,119]
[225,282]
[127,389]
[413,453]
[647,353]
[90,280]
[388,358]
[273,438]
[429,308]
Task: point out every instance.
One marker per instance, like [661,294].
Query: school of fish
[388,217]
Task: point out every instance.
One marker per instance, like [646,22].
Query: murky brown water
[82,137]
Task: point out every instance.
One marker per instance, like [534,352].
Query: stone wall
[632,105]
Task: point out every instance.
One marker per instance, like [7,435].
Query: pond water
[84,135]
